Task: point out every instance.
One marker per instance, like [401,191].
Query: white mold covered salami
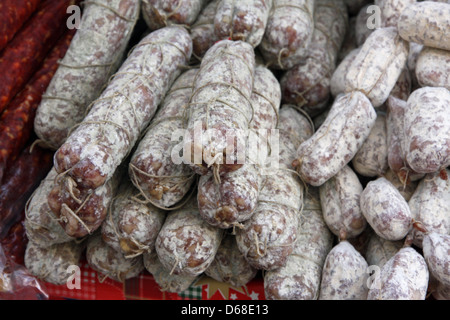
[386,210]
[436,249]
[427,129]
[118,117]
[299,278]
[220,108]
[50,264]
[403,277]
[131,226]
[95,53]
[339,197]
[41,224]
[162,13]
[153,169]
[288,33]
[307,84]
[166,281]
[344,275]
[335,143]
[229,265]
[430,205]
[244,20]
[234,199]
[269,236]
[109,262]
[377,66]
[186,244]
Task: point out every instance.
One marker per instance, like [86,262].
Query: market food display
[302,143]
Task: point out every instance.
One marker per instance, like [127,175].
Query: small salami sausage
[378,65]
[435,251]
[268,237]
[242,20]
[41,224]
[186,244]
[307,84]
[165,280]
[430,205]
[51,264]
[371,160]
[288,33]
[386,210]
[299,278]
[403,277]
[344,275]
[131,227]
[339,197]
[234,199]
[427,23]
[427,129]
[109,262]
[335,143]
[220,109]
[152,169]
[95,53]
[229,265]
[162,13]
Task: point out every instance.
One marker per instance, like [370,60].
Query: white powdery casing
[234,199]
[288,33]
[339,197]
[344,275]
[116,120]
[436,251]
[161,178]
[307,84]
[244,20]
[395,141]
[378,65]
[229,265]
[427,129]
[202,31]
[380,250]
[430,205]
[166,281]
[371,160]
[299,278]
[268,237]
[426,23]
[95,53]
[110,262]
[391,10]
[50,264]
[386,210]
[84,216]
[186,244]
[220,107]
[335,143]
[404,277]
[337,83]
[162,13]
[131,226]
[433,68]
[41,224]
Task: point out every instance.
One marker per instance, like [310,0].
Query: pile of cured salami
[307,139]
